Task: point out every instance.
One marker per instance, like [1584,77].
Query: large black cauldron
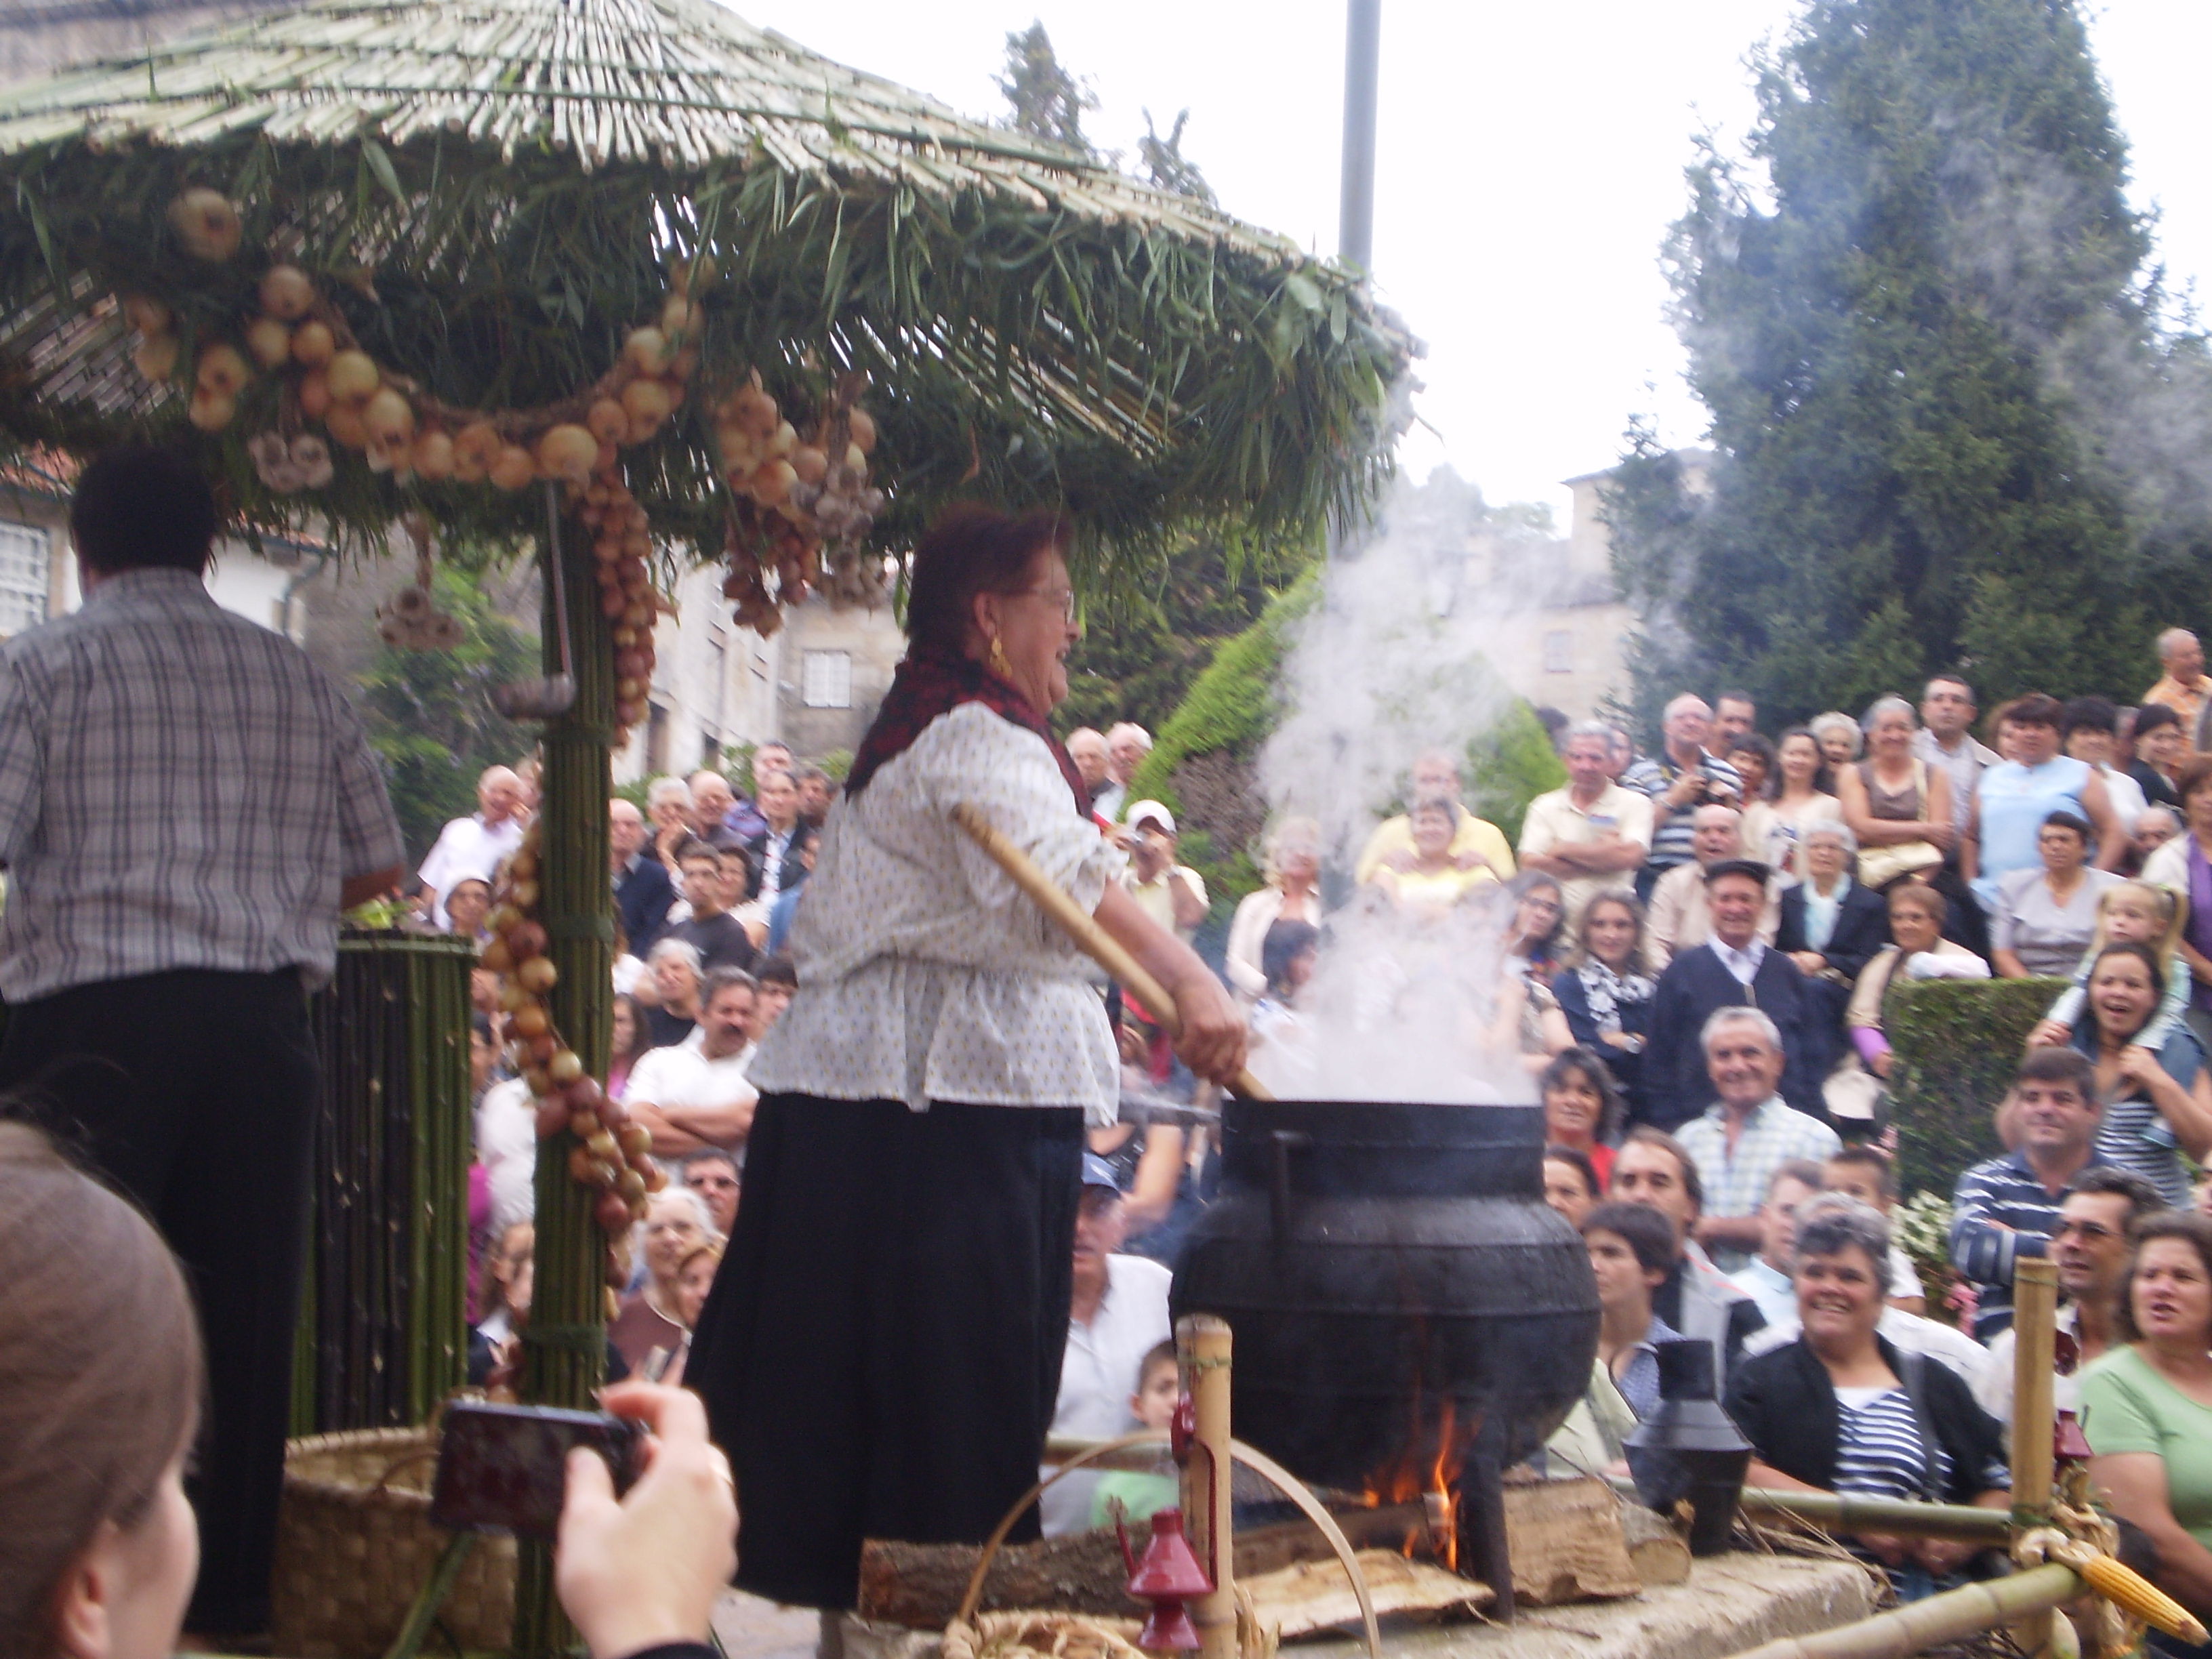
[1376,1261]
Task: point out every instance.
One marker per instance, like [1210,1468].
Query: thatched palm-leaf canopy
[492,191]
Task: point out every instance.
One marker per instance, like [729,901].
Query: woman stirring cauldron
[881,1353]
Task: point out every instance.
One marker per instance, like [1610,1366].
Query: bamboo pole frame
[1923,1624]
[1204,1350]
[2034,1325]
[564,1346]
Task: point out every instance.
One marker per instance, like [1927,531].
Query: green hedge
[1958,1044]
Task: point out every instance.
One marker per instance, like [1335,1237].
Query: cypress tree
[1950,427]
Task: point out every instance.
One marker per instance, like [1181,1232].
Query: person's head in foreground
[994,589]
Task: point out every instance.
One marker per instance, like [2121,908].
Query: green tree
[1916,309]
[1140,651]
[429,713]
[1166,166]
[1048,101]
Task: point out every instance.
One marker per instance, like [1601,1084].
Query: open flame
[1424,1477]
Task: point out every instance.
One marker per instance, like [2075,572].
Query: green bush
[1957,1044]
[1509,766]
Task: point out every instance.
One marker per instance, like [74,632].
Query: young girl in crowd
[2132,913]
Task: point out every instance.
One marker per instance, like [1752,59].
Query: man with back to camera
[173,947]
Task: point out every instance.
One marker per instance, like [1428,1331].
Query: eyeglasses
[1065,598]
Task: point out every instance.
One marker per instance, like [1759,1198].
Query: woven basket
[354,1546]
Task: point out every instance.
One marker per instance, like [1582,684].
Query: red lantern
[1167,1578]
[2068,1444]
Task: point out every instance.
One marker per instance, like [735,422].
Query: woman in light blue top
[2033,781]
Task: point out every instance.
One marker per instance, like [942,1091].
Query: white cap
[1154,811]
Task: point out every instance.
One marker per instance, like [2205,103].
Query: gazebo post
[564,1346]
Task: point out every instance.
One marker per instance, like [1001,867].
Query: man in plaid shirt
[186,803]
[1746,1134]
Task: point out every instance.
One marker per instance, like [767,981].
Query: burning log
[919,1585]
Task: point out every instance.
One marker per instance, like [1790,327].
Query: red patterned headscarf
[930,684]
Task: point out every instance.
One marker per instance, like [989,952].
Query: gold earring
[1000,665]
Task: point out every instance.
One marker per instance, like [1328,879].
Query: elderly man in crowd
[1086,747]
[2090,1250]
[1127,745]
[1119,1313]
[2182,685]
[1652,1168]
[713,801]
[643,892]
[473,846]
[2007,1207]
[1946,741]
[1593,835]
[1746,1134]
[186,805]
[1681,919]
[694,1094]
[1735,966]
[1682,777]
[1476,844]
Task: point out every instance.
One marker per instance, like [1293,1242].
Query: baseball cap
[1149,810]
[1097,1172]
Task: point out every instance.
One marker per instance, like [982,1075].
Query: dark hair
[1644,1135]
[640,1039]
[2152,715]
[1870,1158]
[2141,953]
[1924,894]
[1841,1223]
[1579,1161]
[141,507]
[480,1025]
[1959,680]
[1640,1227]
[1751,742]
[1587,1062]
[1284,943]
[2142,1198]
[719,979]
[2089,715]
[2035,709]
[971,549]
[1743,698]
[2061,1065]
[1750,869]
[2063,820]
[2191,775]
[779,969]
[2187,1225]
[1527,883]
[100,1373]
[709,1155]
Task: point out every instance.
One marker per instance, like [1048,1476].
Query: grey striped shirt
[180,787]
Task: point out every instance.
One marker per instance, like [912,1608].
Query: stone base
[1730,1604]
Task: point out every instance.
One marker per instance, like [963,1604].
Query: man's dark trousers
[194,1091]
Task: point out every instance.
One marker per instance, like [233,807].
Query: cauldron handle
[1284,1142]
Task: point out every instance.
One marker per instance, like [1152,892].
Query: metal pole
[1363,46]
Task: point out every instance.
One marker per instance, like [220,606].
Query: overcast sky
[1530,160]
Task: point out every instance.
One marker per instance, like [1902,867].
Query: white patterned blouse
[924,973]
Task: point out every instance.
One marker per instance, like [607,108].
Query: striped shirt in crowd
[2000,1211]
[1879,1451]
[180,787]
[1654,776]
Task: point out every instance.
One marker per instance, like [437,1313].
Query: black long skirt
[880,1354]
